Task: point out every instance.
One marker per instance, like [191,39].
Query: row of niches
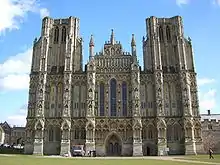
[115,66]
[57,70]
[170,69]
[172,133]
[173,69]
[113,62]
[82,112]
[127,135]
[118,53]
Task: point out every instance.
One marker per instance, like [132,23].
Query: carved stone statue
[136,94]
[38,134]
[65,134]
[90,94]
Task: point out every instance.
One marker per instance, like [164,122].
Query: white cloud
[14,72]
[44,12]
[216,2]
[14,12]
[205,81]
[20,118]
[207,100]
[182,2]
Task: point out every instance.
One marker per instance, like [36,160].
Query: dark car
[77,150]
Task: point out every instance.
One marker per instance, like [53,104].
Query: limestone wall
[211,134]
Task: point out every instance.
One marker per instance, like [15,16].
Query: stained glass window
[113,85]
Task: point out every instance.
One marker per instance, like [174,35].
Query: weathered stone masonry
[114,106]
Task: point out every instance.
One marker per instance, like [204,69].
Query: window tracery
[124,99]
[168,33]
[63,38]
[102,99]
[113,85]
[161,33]
[56,35]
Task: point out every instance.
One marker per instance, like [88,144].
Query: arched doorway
[148,151]
[19,141]
[113,145]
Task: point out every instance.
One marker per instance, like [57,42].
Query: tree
[209,140]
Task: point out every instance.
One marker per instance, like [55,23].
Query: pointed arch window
[161,33]
[168,33]
[169,132]
[57,134]
[113,85]
[101,99]
[176,132]
[77,133]
[63,38]
[124,99]
[56,35]
[51,133]
[150,133]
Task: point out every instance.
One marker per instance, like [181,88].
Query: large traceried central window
[113,85]
[102,99]
[124,99]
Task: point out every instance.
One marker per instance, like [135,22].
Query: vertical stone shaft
[158,79]
[68,71]
[190,147]
[39,125]
[90,114]
[136,114]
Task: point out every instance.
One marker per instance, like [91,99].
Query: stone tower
[169,57]
[113,106]
[57,54]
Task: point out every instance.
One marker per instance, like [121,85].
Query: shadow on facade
[149,149]
[52,145]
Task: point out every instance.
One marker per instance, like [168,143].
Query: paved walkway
[171,158]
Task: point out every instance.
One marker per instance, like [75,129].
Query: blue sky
[20,23]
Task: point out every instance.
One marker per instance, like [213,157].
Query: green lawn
[204,158]
[33,160]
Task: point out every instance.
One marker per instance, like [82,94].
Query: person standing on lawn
[210,154]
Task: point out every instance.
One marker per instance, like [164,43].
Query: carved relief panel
[135,83]
[159,92]
[186,95]
[91,84]
[67,95]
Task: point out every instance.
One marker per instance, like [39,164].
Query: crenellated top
[171,26]
[60,43]
[210,121]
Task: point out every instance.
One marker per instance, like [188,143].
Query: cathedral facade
[113,106]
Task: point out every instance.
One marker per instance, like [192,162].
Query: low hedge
[6,150]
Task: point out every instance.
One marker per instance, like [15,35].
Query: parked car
[77,150]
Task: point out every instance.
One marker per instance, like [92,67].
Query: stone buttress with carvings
[113,106]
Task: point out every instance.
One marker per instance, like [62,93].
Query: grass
[33,160]
[204,158]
